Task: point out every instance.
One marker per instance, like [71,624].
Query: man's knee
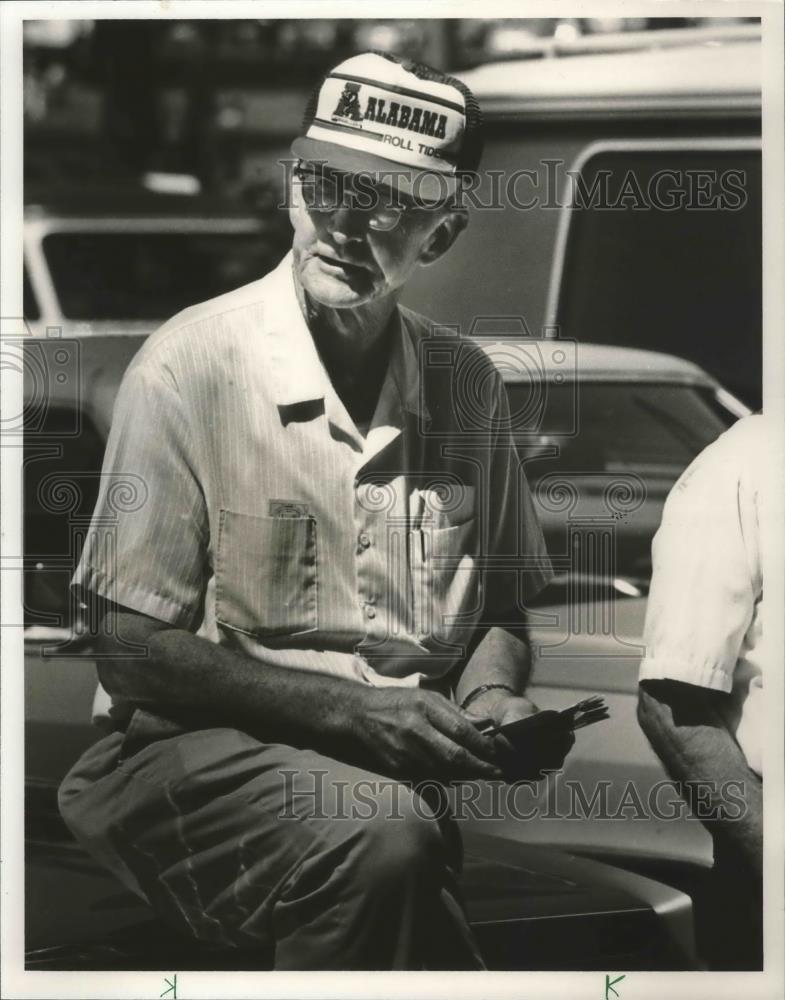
[400,842]
[79,789]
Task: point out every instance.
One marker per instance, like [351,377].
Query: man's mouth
[343,267]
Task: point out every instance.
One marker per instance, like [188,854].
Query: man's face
[341,260]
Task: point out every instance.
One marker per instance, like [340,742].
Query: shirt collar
[405,366]
[297,371]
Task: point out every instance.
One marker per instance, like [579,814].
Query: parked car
[604,433]
[530,908]
[683,278]
[122,261]
[699,104]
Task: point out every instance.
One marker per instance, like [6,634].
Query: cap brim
[429,186]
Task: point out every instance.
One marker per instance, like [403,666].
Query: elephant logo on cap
[349,103]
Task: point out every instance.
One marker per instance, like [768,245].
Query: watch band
[476,692]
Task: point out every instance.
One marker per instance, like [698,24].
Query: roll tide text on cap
[415,128]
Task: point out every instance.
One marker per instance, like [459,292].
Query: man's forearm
[185,675]
[691,738]
[499,658]
[397,731]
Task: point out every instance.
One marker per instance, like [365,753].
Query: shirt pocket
[266,574]
[446,589]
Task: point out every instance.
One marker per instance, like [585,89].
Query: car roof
[566,360]
[79,202]
[717,71]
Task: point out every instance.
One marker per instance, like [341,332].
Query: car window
[29,301]
[685,280]
[645,428]
[148,275]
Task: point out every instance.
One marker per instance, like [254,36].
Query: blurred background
[112,101]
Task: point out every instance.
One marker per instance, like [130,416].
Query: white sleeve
[703,587]
[147,544]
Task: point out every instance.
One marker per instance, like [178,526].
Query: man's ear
[444,235]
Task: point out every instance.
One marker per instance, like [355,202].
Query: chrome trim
[498,109]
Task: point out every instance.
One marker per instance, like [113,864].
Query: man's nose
[347,224]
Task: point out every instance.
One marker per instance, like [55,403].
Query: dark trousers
[729,914]
[318,864]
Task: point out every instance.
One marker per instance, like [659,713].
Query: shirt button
[364,540]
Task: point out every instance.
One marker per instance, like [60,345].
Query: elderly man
[302,600]
[701,681]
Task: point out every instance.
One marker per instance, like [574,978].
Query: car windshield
[635,438]
[653,279]
[650,429]
[143,275]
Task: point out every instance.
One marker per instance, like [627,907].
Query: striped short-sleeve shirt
[240,501]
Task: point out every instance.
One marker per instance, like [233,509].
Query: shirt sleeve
[703,589]
[146,547]
[515,536]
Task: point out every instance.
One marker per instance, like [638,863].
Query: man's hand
[414,734]
[527,762]
[402,732]
[500,665]
[511,708]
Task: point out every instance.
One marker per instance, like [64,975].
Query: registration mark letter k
[610,983]
[171,987]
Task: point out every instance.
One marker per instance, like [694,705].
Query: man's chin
[334,292]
